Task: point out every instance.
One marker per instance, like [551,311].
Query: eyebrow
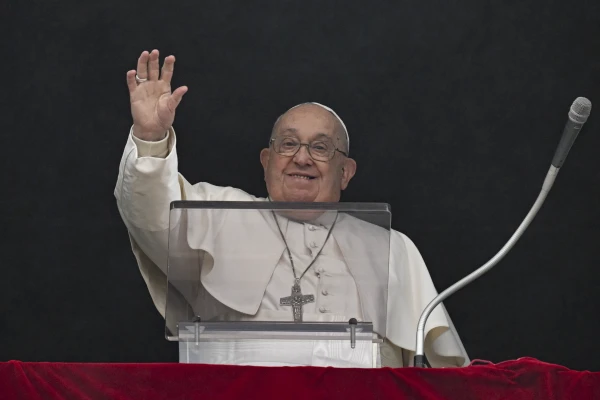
[295,131]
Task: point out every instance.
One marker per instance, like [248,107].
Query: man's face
[299,177]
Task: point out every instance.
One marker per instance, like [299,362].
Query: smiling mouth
[305,177]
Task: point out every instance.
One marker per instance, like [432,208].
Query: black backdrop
[454,111]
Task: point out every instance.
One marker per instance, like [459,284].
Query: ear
[264,158]
[348,171]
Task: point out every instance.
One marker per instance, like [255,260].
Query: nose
[302,157]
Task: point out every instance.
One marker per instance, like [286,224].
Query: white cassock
[343,279]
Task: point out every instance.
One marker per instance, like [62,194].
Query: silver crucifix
[297,300]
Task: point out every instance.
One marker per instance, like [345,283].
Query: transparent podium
[276,284]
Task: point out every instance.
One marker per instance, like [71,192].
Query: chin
[300,197]
[293,196]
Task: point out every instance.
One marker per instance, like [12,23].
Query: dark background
[454,111]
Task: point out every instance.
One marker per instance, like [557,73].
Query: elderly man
[306,161]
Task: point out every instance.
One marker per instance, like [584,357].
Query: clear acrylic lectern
[270,283]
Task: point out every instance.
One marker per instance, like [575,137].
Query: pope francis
[307,160]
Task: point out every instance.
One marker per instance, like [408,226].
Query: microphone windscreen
[580,110]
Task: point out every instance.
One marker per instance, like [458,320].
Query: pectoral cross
[297,300]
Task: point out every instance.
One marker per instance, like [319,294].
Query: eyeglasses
[318,150]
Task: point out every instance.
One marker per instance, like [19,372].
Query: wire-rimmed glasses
[322,149]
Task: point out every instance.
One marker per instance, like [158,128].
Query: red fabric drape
[525,378]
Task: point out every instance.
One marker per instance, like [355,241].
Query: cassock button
[311,228]
[313,245]
[323,309]
[324,292]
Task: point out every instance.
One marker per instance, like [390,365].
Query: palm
[149,106]
[152,103]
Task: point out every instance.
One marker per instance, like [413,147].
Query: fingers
[131,83]
[148,68]
[167,69]
[176,97]
[142,66]
[153,66]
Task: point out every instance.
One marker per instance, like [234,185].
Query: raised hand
[152,103]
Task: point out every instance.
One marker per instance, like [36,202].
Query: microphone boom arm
[420,360]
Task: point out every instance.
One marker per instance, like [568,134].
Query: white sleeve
[158,149]
[148,181]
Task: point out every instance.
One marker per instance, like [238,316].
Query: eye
[320,146]
[288,143]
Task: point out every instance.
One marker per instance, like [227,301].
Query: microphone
[578,115]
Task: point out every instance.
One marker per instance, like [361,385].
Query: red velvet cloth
[525,378]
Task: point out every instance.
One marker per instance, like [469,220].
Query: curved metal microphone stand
[420,360]
[578,115]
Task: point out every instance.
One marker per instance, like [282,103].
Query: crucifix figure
[297,300]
